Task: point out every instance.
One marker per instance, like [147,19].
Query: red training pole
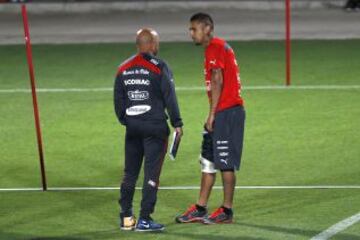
[288,42]
[33,91]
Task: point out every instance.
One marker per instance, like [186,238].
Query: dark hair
[203,18]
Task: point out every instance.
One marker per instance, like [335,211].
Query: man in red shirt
[224,128]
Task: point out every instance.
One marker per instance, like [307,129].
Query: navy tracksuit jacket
[144,89]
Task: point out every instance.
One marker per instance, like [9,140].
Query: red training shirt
[219,54]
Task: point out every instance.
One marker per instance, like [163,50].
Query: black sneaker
[219,216]
[192,215]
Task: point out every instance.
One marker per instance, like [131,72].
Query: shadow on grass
[208,236]
[15,236]
[296,231]
[169,233]
[56,238]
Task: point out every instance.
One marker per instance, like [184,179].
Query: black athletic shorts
[224,145]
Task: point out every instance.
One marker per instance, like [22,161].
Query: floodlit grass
[292,137]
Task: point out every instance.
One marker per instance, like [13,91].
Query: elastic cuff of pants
[145,216]
[227,170]
[128,213]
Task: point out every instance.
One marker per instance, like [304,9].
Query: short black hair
[203,18]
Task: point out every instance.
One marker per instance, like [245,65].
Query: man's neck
[146,52]
[208,40]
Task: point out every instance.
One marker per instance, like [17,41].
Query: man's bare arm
[216,88]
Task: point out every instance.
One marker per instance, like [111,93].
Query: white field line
[191,88]
[338,227]
[180,188]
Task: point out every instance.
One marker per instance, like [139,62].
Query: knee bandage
[207,166]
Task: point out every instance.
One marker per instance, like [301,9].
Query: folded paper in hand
[174,145]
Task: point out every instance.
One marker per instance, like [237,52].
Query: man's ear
[207,29]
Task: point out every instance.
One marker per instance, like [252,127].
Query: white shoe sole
[127,228]
[149,230]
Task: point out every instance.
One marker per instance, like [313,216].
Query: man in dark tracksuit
[144,87]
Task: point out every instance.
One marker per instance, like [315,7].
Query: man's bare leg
[207,182]
[229,181]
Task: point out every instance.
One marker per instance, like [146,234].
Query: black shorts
[224,145]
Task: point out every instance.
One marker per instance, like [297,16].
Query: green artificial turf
[292,137]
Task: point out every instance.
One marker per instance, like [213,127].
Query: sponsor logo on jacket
[136,71]
[138,95]
[137,110]
[137,82]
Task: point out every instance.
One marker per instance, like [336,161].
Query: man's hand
[210,122]
[179,130]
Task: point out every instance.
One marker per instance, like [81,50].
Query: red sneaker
[219,216]
[192,215]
